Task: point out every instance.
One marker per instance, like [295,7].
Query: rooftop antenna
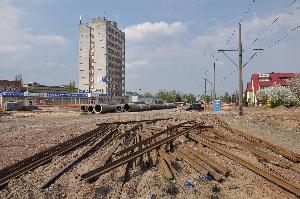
[79,19]
[104,14]
[117,18]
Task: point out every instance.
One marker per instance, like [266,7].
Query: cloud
[150,31]
[178,58]
[46,40]
[14,37]
[137,64]
[26,52]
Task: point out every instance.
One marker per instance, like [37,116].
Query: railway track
[39,159]
[131,143]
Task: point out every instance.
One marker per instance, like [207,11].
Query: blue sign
[68,95]
[12,94]
[104,79]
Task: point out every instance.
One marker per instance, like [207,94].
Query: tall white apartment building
[102,58]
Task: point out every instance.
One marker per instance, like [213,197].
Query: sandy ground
[23,134]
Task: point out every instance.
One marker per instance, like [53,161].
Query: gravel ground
[23,134]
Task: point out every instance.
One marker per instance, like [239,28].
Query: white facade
[102,58]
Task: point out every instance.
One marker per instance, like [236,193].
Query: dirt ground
[23,134]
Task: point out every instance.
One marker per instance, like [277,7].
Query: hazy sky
[170,44]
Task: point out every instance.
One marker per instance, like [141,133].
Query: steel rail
[48,151]
[246,146]
[197,160]
[134,121]
[278,149]
[46,156]
[217,166]
[165,168]
[94,174]
[148,140]
[191,162]
[168,158]
[273,177]
[96,146]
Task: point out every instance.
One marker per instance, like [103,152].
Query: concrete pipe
[90,109]
[97,109]
[136,107]
[146,107]
[83,108]
[119,108]
[108,108]
[126,107]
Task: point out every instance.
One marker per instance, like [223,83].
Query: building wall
[10,86]
[99,61]
[84,50]
[102,54]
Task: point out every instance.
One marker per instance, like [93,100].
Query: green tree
[205,98]
[178,98]
[167,96]
[71,87]
[148,94]
[189,98]
[225,98]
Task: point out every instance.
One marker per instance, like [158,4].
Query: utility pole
[214,81]
[240,71]
[205,87]
[240,67]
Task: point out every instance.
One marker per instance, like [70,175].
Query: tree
[225,98]
[148,94]
[168,96]
[71,87]
[189,98]
[205,98]
[178,98]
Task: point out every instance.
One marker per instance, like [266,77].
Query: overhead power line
[244,15]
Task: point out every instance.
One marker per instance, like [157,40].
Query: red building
[265,80]
[10,86]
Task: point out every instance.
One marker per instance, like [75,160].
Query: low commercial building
[265,80]
[37,88]
[141,99]
[59,99]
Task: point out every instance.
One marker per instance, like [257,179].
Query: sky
[170,44]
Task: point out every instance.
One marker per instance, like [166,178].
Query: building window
[264,79]
[263,87]
[284,78]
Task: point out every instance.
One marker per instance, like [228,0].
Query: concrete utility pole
[240,67]
[214,81]
[240,72]
[205,87]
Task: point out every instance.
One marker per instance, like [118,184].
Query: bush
[279,96]
[294,85]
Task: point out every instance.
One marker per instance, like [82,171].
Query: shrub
[279,96]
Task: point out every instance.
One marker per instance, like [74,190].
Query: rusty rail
[278,149]
[135,121]
[273,177]
[96,146]
[94,174]
[149,139]
[33,162]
